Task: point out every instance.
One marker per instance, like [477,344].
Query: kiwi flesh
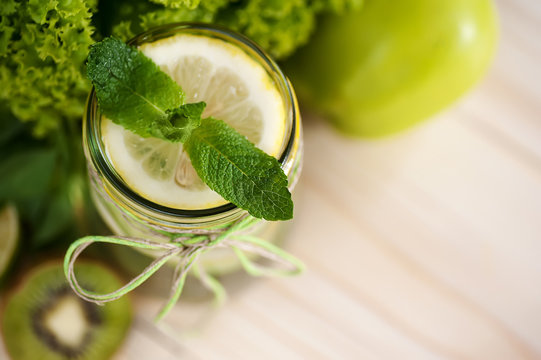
[44,319]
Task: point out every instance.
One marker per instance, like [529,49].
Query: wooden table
[422,245]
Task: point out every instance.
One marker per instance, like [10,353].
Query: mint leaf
[241,173]
[133,92]
[186,118]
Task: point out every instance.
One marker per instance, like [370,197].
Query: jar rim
[97,149]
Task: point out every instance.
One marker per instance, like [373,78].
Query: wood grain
[423,245]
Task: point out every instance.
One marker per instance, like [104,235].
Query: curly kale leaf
[44,43]
[190,4]
[337,6]
[43,46]
[279,26]
[133,17]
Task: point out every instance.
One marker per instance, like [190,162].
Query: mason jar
[129,214]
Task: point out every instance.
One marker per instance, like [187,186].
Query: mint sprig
[133,92]
[243,174]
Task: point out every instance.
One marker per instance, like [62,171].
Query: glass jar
[129,214]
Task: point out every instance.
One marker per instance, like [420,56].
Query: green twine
[188,247]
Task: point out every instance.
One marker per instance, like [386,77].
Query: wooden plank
[508,101]
[384,202]
[423,245]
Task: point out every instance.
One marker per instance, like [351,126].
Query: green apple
[395,62]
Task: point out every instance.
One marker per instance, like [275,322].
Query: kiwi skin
[26,334]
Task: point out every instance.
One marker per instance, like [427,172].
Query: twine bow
[188,248]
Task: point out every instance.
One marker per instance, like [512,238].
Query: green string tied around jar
[188,247]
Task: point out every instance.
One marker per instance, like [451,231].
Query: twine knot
[187,247]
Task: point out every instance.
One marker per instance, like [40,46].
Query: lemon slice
[237,90]
[9,236]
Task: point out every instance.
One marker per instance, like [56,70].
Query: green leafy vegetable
[55,217]
[43,45]
[133,92]
[10,127]
[26,174]
[241,173]
[279,26]
[28,181]
[45,179]
[190,4]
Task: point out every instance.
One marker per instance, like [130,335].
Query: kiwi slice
[44,319]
